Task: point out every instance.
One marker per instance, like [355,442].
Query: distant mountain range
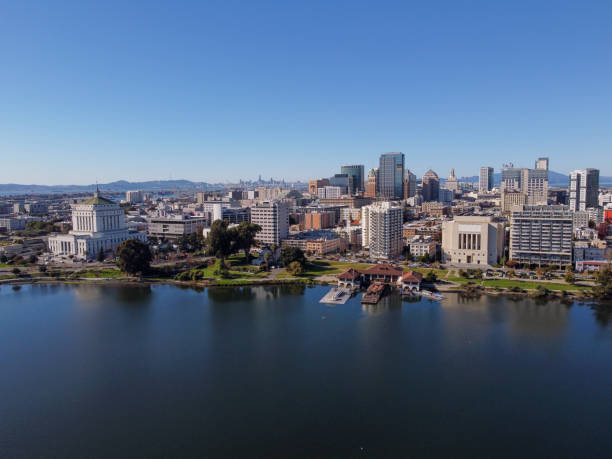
[554,179]
[119,186]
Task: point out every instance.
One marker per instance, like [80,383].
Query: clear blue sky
[223,90]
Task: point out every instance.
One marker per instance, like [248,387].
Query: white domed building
[97,223]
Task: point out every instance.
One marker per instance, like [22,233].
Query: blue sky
[218,91]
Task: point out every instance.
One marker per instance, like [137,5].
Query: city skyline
[213,92]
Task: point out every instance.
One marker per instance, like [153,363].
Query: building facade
[485,179]
[391,175]
[542,235]
[472,241]
[410,184]
[357,172]
[172,228]
[371,185]
[584,189]
[381,229]
[431,186]
[97,224]
[273,217]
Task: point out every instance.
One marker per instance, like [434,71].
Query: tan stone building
[472,241]
[512,200]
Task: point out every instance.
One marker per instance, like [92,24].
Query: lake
[104,371]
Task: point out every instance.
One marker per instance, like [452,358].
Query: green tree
[134,257]
[100,256]
[220,240]
[291,254]
[431,276]
[569,277]
[245,237]
[32,259]
[295,268]
[603,288]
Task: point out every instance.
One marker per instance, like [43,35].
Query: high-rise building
[584,189]
[485,182]
[512,200]
[410,184]
[542,163]
[542,235]
[342,180]
[273,217]
[371,187]
[391,175]
[357,172]
[472,240]
[431,186]
[314,185]
[532,182]
[381,229]
[134,197]
[451,182]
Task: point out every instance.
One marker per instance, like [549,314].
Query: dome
[430,174]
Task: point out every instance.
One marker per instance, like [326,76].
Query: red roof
[383,270]
[350,274]
[412,277]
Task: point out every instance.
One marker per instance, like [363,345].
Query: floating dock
[336,295]
[373,294]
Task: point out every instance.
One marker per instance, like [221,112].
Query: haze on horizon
[216,92]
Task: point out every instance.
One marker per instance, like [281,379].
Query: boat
[431,295]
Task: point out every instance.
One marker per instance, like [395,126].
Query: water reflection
[387,303]
[133,295]
[263,293]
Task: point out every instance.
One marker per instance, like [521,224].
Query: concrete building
[273,217]
[584,189]
[172,228]
[134,197]
[35,208]
[97,224]
[410,184]
[542,235]
[318,242]
[356,171]
[314,185]
[446,196]
[9,224]
[371,184]
[431,186]
[420,246]
[381,229]
[331,192]
[485,179]
[451,182]
[512,200]
[532,182]
[391,175]
[472,241]
[542,163]
[319,220]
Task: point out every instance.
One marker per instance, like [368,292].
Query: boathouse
[350,278]
[410,282]
[382,273]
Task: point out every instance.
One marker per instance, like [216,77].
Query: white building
[584,189]
[472,241]
[97,223]
[134,197]
[485,179]
[381,229]
[273,217]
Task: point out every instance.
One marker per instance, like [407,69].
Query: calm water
[270,372]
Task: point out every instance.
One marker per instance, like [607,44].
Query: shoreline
[445,287]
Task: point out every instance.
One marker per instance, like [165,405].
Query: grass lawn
[235,262]
[326,267]
[530,285]
[4,265]
[98,273]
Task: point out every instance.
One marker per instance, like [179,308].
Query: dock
[374,293]
[337,295]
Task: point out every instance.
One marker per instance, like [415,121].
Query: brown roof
[383,270]
[349,274]
[412,277]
